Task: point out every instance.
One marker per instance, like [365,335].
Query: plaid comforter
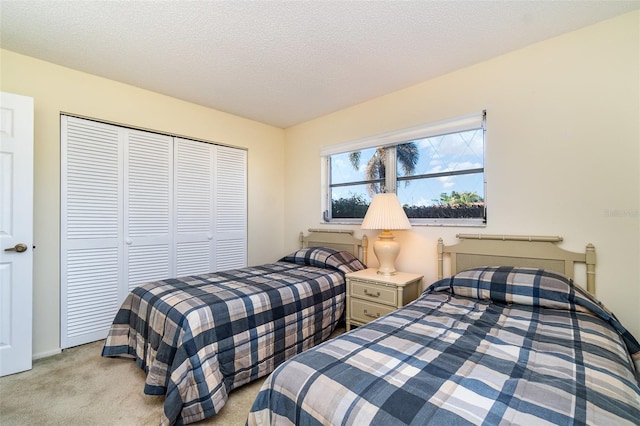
[199,337]
[487,346]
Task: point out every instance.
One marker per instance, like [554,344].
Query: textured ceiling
[283,62]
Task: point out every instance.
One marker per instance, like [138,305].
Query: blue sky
[453,152]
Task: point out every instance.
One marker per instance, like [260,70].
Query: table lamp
[386,213]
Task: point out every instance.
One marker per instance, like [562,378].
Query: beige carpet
[80,387]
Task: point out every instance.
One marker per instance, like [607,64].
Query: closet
[138,206]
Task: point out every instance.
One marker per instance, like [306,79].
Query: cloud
[465,165]
[447,181]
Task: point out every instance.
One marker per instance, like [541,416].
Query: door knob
[20,247]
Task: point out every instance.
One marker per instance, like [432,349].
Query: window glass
[354,166]
[355,177]
[448,178]
[439,178]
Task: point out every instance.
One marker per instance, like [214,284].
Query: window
[437,171]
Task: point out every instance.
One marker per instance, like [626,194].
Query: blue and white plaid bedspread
[199,337]
[516,348]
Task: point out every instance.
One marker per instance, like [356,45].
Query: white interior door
[16,233]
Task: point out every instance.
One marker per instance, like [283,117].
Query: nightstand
[371,295]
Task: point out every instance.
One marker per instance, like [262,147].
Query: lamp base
[386,249]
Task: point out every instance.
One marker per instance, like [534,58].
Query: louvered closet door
[230,196]
[138,207]
[148,207]
[91,229]
[194,207]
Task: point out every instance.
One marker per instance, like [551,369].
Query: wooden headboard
[516,250]
[339,239]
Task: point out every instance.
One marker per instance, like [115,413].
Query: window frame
[474,121]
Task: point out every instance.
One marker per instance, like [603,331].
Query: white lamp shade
[385,212]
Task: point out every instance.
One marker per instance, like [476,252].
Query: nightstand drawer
[374,292]
[364,312]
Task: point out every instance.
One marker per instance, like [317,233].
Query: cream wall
[562,151]
[56,89]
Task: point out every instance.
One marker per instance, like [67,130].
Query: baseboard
[46,354]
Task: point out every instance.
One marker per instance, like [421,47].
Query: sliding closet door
[194,207]
[231,208]
[148,207]
[211,207]
[91,228]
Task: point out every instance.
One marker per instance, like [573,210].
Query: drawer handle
[367,314]
[376,294]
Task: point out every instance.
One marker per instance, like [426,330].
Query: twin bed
[200,337]
[507,338]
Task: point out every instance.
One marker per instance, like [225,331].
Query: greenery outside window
[437,171]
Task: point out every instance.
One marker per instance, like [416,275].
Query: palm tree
[407,155]
[466,198]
